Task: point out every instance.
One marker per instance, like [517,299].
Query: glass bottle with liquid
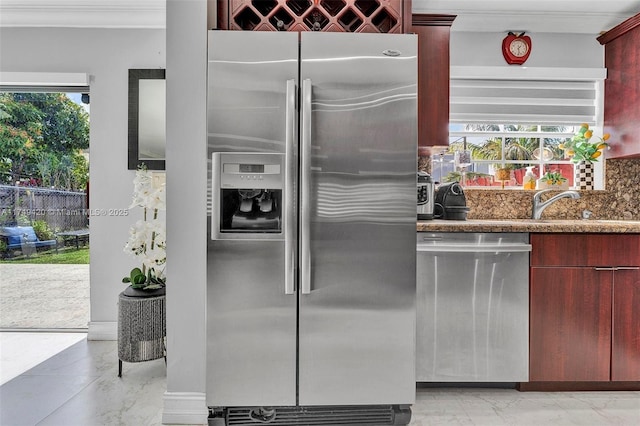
[529,179]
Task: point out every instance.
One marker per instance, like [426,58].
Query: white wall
[547,50]
[106,55]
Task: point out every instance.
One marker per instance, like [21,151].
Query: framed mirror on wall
[147,118]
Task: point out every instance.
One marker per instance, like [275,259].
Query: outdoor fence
[62,210]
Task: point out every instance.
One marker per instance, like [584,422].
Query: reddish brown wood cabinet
[622,88]
[433,77]
[585,308]
[625,348]
[363,16]
[570,324]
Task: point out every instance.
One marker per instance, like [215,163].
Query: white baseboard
[103,330]
[185,408]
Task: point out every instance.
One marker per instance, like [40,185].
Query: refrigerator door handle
[305,190]
[289,241]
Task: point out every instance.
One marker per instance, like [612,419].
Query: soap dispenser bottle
[529,179]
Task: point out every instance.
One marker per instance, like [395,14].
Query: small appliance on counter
[425,196]
[450,202]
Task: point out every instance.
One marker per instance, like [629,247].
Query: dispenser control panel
[243,170]
[247,195]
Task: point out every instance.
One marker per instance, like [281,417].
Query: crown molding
[623,28]
[83,13]
[432,20]
[553,16]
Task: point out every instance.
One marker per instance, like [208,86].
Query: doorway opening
[44,209]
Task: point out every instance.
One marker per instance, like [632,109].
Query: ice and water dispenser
[247,195]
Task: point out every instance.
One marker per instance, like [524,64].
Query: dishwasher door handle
[474,248]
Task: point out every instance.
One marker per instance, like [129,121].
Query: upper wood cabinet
[362,16]
[622,88]
[433,77]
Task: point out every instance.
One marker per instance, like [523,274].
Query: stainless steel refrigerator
[312,141]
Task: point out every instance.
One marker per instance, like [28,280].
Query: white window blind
[508,95]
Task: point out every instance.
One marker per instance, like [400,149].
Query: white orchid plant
[147,237]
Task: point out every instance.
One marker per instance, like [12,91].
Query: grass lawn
[80,256]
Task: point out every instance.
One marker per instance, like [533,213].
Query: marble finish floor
[79,387]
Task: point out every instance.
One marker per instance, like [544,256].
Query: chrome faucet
[538,206]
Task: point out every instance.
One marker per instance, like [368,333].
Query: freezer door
[251,311]
[247,75]
[358,218]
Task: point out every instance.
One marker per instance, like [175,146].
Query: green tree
[516,147]
[65,123]
[20,137]
[41,136]
[80,173]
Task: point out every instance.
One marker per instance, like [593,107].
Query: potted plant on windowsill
[147,238]
[552,180]
[584,153]
[503,173]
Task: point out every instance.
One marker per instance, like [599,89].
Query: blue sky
[77,98]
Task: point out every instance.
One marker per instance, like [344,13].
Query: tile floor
[79,387]
[20,352]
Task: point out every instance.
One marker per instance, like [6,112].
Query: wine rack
[367,16]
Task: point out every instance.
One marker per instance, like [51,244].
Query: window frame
[522,77]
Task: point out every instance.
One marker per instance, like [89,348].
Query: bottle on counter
[529,179]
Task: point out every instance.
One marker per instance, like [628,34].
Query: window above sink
[517,117]
[511,147]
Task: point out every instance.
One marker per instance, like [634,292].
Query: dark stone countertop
[530,226]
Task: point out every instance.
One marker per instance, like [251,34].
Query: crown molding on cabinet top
[623,28]
[548,16]
[432,20]
[83,13]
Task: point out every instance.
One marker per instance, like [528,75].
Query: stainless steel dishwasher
[472,307]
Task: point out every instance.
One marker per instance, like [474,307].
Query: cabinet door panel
[622,119]
[570,324]
[625,357]
[433,77]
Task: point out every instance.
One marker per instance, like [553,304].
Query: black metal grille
[369,415]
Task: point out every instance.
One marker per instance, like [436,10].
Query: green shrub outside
[42,230]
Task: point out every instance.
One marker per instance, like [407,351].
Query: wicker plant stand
[141,329]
